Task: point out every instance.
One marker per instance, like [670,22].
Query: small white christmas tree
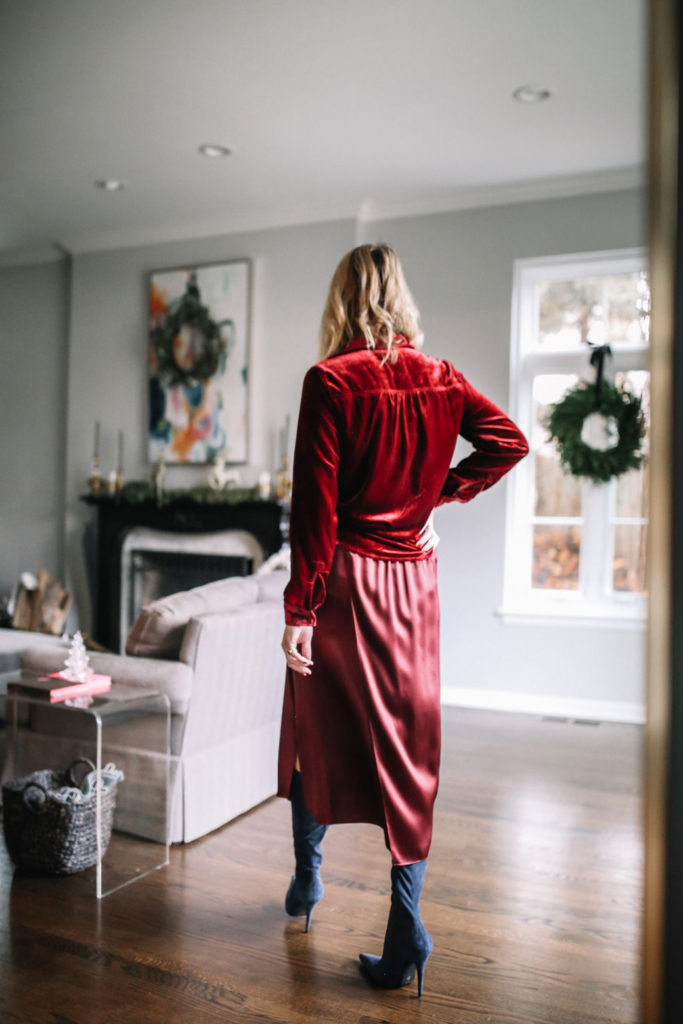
[77,664]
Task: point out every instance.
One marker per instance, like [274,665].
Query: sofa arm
[170,677]
[239,673]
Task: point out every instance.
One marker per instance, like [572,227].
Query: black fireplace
[114,519]
[154,574]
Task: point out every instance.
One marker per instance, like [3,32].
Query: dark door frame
[662,946]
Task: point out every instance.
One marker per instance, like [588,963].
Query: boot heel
[420,976]
[301,900]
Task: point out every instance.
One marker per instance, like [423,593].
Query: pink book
[46,687]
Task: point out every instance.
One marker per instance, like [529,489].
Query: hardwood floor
[532,895]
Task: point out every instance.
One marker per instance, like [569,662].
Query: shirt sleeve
[499,445]
[313,513]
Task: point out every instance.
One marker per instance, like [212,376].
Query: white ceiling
[333,108]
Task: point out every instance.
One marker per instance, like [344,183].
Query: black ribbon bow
[598,361]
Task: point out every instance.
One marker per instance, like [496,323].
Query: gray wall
[459,266]
[107,379]
[32,419]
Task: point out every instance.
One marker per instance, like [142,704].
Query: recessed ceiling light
[210,149]
[531,94]
[109,185]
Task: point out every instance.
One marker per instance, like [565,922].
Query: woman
[360,738]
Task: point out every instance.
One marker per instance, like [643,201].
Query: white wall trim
[630,712]
[573,617]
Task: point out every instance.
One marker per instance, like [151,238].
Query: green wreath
[565,420]
[188,312]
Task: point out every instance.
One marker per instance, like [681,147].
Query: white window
[574,548]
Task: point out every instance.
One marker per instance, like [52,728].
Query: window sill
[579,614]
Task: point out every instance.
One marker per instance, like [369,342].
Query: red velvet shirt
[373,458]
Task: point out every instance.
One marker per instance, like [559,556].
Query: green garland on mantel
[136,492]
[565,420]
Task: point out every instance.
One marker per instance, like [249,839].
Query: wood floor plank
[533,895]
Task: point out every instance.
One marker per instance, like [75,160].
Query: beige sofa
[215,651]
[15,642]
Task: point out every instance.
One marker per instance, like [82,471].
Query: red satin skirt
[366,723]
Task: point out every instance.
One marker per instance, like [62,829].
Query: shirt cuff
[299,618]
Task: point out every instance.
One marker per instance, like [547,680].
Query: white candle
[97,439]
[264,484]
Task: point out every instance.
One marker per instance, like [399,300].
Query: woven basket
[47,836]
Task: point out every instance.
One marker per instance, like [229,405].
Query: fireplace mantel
[114,518]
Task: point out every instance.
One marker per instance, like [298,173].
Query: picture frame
[198,363]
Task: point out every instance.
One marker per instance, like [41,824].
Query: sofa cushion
[170,677]
[158,630]
[271,585]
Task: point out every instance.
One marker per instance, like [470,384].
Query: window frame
[590,604]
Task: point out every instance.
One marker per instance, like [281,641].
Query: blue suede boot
[305,889]
[407,943]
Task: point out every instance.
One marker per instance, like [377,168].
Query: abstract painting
[198,363]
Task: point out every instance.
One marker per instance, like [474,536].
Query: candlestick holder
[95,480]
[119,465]
[283,488]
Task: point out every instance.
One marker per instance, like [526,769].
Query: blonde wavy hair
[368,297]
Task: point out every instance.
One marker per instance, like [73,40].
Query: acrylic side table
[129,726]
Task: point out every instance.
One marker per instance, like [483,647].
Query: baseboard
[545,704]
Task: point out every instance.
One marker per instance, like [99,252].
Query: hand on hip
[428,538]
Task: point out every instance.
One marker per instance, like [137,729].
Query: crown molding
[31,256]
[507,193]
[368,212]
